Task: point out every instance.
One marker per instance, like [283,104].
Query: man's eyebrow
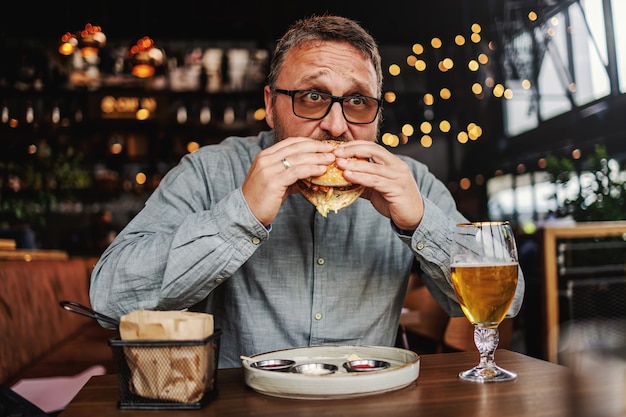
[313,81]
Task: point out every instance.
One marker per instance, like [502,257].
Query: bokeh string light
[439,57]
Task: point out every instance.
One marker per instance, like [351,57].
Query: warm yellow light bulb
[394,69]
[420,65]
[66,48]
[143,70]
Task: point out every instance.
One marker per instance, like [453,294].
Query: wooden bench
[39,338]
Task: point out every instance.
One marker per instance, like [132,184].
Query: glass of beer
[484,267]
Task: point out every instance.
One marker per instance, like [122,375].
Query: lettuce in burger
[330,191]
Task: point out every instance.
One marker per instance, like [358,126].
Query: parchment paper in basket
[185,370]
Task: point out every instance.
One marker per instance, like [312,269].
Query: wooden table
[542,389]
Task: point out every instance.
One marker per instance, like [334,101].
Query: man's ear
[269,106]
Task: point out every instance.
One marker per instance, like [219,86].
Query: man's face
[328,67]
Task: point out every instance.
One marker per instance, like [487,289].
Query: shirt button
[419,246]
[256,240]
[218,280]
[318,316]
[321,261]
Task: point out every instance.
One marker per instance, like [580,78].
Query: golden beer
[485,292]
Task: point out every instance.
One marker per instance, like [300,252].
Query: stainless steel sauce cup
[365,365]
[315,368]
[279,365]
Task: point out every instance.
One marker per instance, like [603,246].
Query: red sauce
[363,366]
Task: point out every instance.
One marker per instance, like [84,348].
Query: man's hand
[390,186]
[275,171]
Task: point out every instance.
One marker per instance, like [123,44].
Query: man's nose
[334,122]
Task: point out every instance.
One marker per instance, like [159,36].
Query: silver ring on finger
[286,163]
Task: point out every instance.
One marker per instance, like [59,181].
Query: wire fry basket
[166,374]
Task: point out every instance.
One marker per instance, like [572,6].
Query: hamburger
[330,191]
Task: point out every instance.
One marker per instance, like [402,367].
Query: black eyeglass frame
[333,100]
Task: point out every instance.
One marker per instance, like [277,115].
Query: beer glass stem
[486,340]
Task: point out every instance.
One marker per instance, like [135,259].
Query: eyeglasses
[315,105]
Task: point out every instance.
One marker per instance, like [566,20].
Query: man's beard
[280,132]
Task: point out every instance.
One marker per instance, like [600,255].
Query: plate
[403,370]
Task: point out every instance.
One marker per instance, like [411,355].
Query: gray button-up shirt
[307,280]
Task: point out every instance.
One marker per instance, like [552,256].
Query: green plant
[32,186]
[601,187]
